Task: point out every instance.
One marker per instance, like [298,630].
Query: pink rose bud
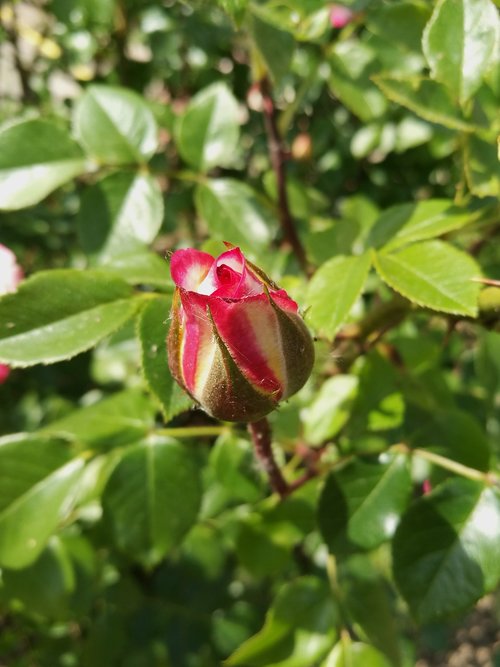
[236,344]
[340,16]
[11,275]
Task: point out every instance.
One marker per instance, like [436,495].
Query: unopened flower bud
[236,344]
[340,16]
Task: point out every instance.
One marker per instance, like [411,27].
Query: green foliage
[134,529]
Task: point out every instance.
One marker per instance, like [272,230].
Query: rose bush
[236,344]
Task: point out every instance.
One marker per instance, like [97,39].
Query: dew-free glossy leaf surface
[55,315]
[152,329]
[433,274]
[274,46]
[208,131]
[36,157]
[330,409]
[152,498]
[37,488]
[334,289]
[407,223]
[445,551]
[120,214]
[459,43]
[356,654]
[115,125]
[361,504]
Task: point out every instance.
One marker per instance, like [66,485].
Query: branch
[261,436]
[277,156]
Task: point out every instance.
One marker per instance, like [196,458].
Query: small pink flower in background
[236,344]
[11,275]
[340,16]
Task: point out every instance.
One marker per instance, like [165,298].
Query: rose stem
[277,157]
[261,436]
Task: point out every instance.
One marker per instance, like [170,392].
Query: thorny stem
[277,156]
[261,437]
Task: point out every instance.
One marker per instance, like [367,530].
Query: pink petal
[4,373]
[249,329]
[283,301]
[198,344]
[11,273]
[229,277]
[189,268]
[340,16]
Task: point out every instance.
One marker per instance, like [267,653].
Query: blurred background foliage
[135,531]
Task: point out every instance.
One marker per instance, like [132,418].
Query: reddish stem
[261,436]
[278,156]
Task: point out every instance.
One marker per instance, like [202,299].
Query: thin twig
[277,156]
[261,437]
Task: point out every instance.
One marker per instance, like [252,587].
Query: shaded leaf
[152,330]
[445,551]
[299,628]
[38,484]
[274,45]
[152,498]
[122,418]
[361,504]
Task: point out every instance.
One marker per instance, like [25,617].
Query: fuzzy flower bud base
[236,343]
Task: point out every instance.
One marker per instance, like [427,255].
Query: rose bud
[340,16]
[236,344]
[11,275]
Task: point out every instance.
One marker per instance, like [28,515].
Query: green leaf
[115,125]
[208,132]
[407,223]
[299,628]
[57,314]
[274,46]
[36,157]
[152,498]
[141,268]
[459,42]
[352,65]
[334,289]
[233,213]
[355,654]
[402,23]
[361,504]
[456,435]
[369,602]
[233,466]
[38,484]
[59,583]
[120,214]
[445,551]
[432,274]
[152,330]
[111,422]
[330,409]
[482,167]
[427,98]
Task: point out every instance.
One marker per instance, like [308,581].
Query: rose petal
[249,329]
[11,273]
[189,268]
[242,283]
